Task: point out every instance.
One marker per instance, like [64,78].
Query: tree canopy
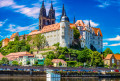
[76,33]
[39,41]
[107,51]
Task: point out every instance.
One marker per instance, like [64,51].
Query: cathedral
[62,32]
[45,19]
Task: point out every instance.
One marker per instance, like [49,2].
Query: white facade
[66,34]
[90,36]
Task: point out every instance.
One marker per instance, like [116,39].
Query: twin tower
[49,19]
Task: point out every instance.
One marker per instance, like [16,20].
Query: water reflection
[59,79]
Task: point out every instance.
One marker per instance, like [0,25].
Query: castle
[62,32]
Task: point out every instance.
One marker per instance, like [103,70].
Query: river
[57,79]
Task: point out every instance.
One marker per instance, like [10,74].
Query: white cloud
[4,3]
[117,38]
[105,44]
[15,28]
[106,3]
[28,11]
[117,44]
[2,22]
[93,24]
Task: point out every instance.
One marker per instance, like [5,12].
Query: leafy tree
[107,51]
[84,55]
[60,64]
[50,56]
[20,64]
[5,60]
[15,63]
[61,57]
[0,43]
[29,38]
[16,38]
[114,65]
[28,62]
[96,59]
[76,33]
[24,37]
[36,62]
[1,62]
[39,41]
[47,62]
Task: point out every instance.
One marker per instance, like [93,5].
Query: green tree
[76,33]
[60,64]
[114,65]
[16,38]
[29,38]
[84,56]
[50,56]
[24,37]
[96,59]
[47,62]
[61,57]
[36,62]
[28,62]
[107,51]
[15,63]
[0,43]
[1,62]
[39,41]
[5,60]
[20,64]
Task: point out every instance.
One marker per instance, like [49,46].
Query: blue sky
[22,16]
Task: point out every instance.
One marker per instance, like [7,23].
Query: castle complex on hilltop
[62,32]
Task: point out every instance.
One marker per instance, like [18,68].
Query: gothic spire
[63,10]
[43,10]
[74,20]
[51,5]
[43,6]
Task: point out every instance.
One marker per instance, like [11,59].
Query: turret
[64,31]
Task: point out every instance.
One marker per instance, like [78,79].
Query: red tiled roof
[13,56]
[108,56]
[58,60]
[49,28]
[13,35]
[117,56]
[96,30]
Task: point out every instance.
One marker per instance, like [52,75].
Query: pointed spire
[63,10]
[89,24]
[43,4]
[51,5]
[74,20]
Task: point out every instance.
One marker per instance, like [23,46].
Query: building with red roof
[56,63]
[111,59]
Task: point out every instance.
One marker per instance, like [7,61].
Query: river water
[57,79]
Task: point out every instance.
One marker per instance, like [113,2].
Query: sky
[22,16]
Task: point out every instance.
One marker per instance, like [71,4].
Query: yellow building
[112,59]
[56,63]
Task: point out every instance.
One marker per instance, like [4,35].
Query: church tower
[42,16]
[44,19]
[51,15]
